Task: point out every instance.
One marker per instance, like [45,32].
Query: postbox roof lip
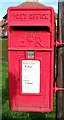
[33,8]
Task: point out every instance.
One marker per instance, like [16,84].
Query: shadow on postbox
[31,58]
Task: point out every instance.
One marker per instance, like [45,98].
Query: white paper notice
[30,76]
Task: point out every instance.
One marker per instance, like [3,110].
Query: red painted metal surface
[58,44]
[31,29]
[57,88]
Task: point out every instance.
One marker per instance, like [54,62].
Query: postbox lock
[30,53]
[55,89]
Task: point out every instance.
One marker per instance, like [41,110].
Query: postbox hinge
[55,89]
[58,44]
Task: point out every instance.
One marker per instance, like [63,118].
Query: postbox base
[30,109]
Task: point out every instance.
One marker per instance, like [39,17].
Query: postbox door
[37,98]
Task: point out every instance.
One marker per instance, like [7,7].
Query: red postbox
[31,58]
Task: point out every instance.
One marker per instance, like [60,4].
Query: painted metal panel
[31,45]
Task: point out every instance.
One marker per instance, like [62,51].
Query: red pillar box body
[31,58]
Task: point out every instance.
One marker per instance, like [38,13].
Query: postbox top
[30,7]
[30,16]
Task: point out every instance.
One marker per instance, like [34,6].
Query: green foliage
[4,47]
